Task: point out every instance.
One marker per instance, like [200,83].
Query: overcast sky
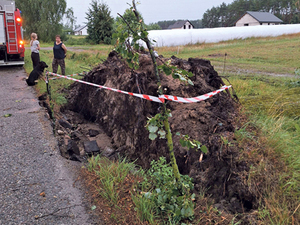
[152,10]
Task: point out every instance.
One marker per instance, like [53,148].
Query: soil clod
[93,133]
[65,124]
[91,147]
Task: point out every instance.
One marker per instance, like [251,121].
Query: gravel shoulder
[37,185]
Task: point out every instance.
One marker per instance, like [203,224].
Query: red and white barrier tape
[195,99]
[72,75]
[148,97]
[160,99]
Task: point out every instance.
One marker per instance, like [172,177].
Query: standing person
[59,51]
[35,50]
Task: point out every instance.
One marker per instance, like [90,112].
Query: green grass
[267,94]
[145,209]
[274,55]
[112,176]
[273,107]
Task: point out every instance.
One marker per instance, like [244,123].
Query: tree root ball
[124,118]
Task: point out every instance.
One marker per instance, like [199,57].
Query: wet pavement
[37,185]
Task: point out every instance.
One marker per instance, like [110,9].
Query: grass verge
[135,196]
[273,110]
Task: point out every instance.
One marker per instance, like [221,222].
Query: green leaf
[190,82]
[147,195]
[7,115]
[158,190]
[190,74]
[152,136]
[178,134]
[183,72]
[175,75]
[144,34]
[183,212]
[182,78]
[136,46]
[189,212]
[190,144]
[193,144]
[162,133]
[183,142]
[193,197]
[115,35]
[167,70]
[204,149]
[152,129]
[93,207]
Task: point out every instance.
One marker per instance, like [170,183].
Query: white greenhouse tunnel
[213,35]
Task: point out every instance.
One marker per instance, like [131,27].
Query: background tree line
[226,15]
[45,17]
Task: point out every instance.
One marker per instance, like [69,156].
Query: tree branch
[126,23]
[135,12]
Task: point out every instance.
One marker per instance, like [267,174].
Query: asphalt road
[37,185]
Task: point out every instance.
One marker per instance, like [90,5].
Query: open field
[273,55]
[270,102]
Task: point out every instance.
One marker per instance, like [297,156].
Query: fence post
[47,85]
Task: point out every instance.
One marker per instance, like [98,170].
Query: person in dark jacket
[59,51]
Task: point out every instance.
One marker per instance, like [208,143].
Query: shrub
[173,202]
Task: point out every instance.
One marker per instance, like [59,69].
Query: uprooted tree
[130,35]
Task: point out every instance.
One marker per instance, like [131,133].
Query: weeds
[145,209]
[111,175]
[170,201]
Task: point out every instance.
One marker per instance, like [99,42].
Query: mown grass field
[271,103]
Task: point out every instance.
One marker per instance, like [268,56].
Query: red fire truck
[11,34]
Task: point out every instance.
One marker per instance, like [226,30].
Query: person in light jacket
[59,51]
[35,50]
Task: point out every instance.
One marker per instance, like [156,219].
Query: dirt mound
[124,117]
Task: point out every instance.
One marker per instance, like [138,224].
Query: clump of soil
[123,119]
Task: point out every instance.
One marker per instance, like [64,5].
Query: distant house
[81,30]
[258,18]
[183,24]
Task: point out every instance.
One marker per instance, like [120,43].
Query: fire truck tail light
[21,44]
[18,19]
